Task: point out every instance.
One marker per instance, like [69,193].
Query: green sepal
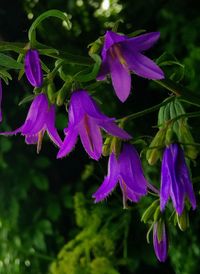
[106,146]
[62,93]
[183,220]
[27,99]
[155,148]
[147,216]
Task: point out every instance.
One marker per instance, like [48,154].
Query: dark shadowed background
[45,203]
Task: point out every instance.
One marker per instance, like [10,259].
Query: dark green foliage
[48,222]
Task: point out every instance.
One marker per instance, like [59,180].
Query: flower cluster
[121,55]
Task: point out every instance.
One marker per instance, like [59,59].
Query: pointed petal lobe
[121,79]
[142,65]
[109,182]
[68,143]
[91,138]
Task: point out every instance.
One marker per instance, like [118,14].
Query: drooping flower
[160,242]
[40,118]
[0,100]
[175,179]
[33,69]
[121,55]
[127,170]
[85,120]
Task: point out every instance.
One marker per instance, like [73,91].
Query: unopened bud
[62,93]
[186,138]
[106,146]
[51,92]
[154,151]
[115,146]
[149,212]
[183,220]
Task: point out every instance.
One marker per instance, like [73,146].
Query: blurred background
[46,207]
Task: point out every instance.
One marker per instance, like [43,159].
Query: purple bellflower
[33,68]
[160,245]
[127,170]
[40,118]
[85,120]
[175,179]
[0,100]
[121,55]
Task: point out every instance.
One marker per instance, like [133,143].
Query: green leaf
[45,227]
[41,182]
[9,62]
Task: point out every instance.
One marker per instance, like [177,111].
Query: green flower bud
[106,146]
[62,93]
[115,146]
[51,92]
[149,212]
[155,148]
[183,221]
[186,138]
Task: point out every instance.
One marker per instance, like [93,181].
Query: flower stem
[185,94]
[146,111]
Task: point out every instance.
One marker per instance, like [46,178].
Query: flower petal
[142,42]
[104,70]
[31,139]
[111,38]
[82,104]
[91,138]
[68,143]
[33,69]
[165,180]
[121,78]
[160,247]
[112,129]
[184,176]
[131,170]
[141,65]
[109,182]
[51,129]
[37,114]
[128,193]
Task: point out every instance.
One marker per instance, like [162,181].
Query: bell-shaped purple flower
[0,100]
[121,55]
[40,118]
[33,69]
[160,241]
[85,120]
[175,179]
[127,170]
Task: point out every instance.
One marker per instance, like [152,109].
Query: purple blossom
[127,170]
[121,55]
[160,245]
[85,120]
[40,118]
[0,100]
[33,68]
[175,179]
